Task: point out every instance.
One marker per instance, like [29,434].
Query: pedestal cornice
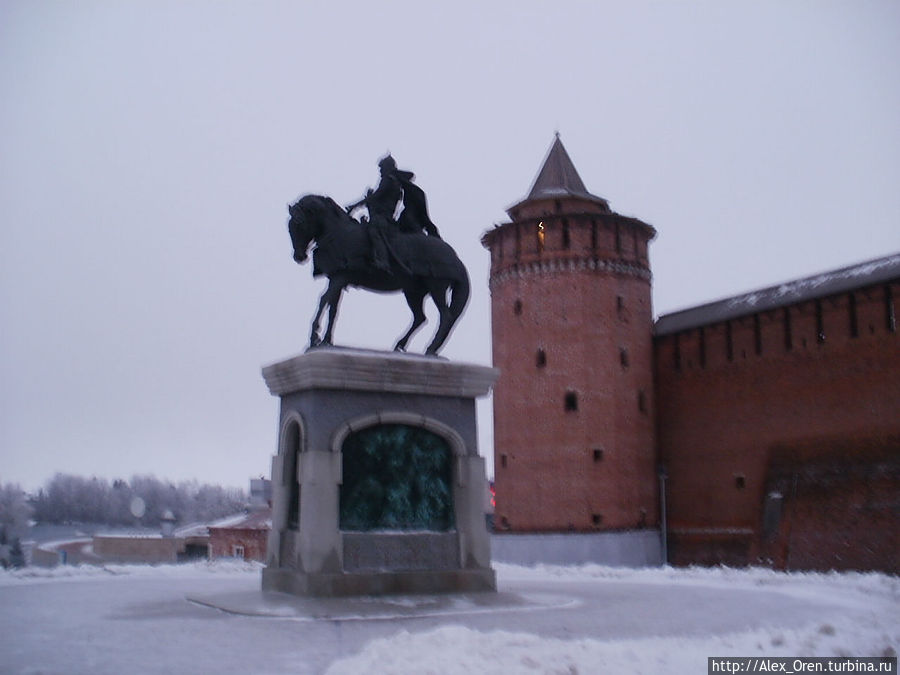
[360,370]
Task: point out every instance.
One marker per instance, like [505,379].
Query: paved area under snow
[133,619]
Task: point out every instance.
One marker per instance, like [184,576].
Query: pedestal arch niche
[282,540]
[396,477]
[397,501]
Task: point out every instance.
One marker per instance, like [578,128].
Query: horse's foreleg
[414,299]
[334,298]
[314,340]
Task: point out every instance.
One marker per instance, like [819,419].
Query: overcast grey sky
[148,150]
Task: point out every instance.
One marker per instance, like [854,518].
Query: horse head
[312,218]
[304,225]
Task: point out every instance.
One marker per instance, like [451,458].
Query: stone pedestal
[330,399]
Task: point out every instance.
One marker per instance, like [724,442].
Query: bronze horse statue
[420,265]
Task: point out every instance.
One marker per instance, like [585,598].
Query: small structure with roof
[243,536]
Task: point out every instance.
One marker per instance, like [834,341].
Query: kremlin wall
[762,429]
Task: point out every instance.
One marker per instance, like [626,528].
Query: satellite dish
[138,507]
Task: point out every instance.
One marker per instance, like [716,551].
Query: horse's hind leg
[438,292]
[414,298]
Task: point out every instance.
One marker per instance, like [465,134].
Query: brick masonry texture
[802,419]
[572,337]
[229,542]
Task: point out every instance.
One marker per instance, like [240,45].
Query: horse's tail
[459,294]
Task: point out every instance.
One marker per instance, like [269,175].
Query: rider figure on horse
[395,185]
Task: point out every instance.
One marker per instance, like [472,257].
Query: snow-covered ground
[590,619]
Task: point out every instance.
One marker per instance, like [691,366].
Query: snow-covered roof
[879,271]
[229,521]
[191,530]
[58,543]
[260,519]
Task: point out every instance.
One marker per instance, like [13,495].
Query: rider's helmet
[387,163]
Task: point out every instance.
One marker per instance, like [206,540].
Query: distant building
[242,537]
[73,551]
[245,536]
[124,548]
[769,421]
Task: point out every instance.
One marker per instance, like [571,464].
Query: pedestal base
[378,583]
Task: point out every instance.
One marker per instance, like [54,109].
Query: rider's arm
[352,207]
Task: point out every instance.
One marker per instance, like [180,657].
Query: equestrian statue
[381,253]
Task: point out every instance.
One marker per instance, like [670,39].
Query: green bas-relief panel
[396,477]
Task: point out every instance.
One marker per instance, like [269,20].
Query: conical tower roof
[559,178]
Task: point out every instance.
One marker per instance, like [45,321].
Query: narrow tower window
[788,338]
[757,334]
[729,342]
[820,324]
[571,401]
[623,357]
[566,239]
[517,308]
[702,346]
[541,358]
[889,309]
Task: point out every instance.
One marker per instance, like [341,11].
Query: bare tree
[14,513]
[66,498]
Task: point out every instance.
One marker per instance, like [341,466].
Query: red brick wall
[138,549]
[571,316]
[223,540]
[840,505]
[728,414]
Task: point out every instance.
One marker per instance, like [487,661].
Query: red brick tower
[574,440]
